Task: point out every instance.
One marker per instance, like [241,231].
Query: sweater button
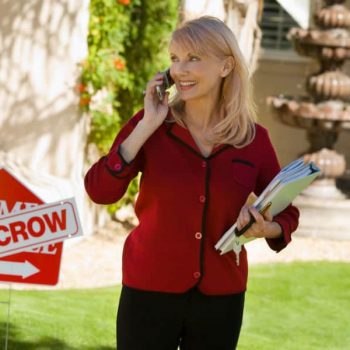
[202,199]
[198,235]
[117,166]
[196,275]
[204,164]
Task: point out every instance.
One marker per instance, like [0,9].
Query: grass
[71,319]
[299,306]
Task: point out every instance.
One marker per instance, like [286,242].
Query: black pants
[164,321]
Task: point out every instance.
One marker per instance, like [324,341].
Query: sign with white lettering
[47,223]
[40,265]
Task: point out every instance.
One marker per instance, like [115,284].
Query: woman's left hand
[263,227]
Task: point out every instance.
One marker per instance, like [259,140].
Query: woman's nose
[178,68]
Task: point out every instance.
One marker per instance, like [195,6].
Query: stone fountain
[324,113]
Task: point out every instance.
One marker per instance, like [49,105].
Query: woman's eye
[194,58]
[173,59]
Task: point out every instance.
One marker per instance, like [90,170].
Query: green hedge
[127,44]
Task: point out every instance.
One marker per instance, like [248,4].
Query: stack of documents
[280,192]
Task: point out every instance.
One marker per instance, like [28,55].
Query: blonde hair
[237,113]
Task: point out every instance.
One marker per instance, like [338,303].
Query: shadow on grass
[45,343]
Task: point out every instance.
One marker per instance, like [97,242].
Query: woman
[200,157]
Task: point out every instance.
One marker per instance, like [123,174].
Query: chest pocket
[244,173]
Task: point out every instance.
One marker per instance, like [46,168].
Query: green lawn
[299,306]
[60,320]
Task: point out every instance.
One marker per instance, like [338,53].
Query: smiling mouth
[186,85]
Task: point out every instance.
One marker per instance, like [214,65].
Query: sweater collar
[183,136]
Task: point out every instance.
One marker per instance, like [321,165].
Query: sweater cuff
[117,165]
[277,244]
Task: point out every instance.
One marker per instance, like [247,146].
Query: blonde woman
[200,157]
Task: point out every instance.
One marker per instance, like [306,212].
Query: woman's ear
[228,66]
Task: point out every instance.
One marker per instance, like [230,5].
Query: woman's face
[196,76]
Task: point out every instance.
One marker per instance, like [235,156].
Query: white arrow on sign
[24,269]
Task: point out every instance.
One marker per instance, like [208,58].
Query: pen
[251,221]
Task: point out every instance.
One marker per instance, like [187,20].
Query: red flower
[84,101]
[119,64]
[80,88]
[124,2]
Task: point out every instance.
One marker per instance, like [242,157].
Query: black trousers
[164,321]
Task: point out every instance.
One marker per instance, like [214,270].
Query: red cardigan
[186,202]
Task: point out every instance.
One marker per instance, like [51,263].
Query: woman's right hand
[155,110]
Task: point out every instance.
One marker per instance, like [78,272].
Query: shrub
[127,44]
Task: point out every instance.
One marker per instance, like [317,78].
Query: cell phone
[167,82]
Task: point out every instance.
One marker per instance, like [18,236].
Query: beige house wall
[42,131]
[286,75]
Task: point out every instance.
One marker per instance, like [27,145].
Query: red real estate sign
[40,265]
[35,226]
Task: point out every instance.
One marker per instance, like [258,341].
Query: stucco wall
[42,132]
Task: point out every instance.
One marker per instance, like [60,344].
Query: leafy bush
[127,45]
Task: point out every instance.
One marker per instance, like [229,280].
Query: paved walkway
[95,261]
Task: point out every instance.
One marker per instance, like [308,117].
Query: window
[275,25]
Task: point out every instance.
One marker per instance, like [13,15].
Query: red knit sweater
[186,202]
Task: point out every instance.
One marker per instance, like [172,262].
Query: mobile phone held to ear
[167,82]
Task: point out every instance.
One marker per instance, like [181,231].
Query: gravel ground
[95,261]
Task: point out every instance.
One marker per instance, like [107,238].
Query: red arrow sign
[36,266]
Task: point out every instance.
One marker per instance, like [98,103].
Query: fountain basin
[302,112]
